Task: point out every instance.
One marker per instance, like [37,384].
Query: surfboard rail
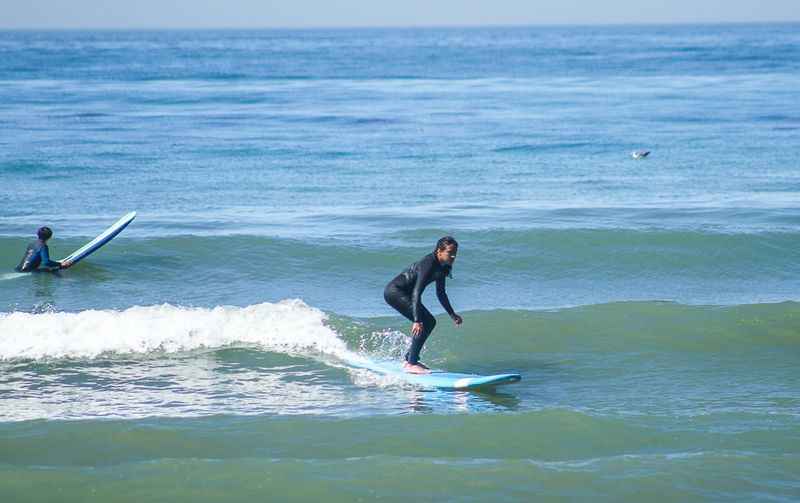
[437,378]
[104,237]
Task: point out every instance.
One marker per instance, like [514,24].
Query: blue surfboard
[106,236]
[437,378]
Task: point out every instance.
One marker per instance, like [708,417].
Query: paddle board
[437,378]
[106,236]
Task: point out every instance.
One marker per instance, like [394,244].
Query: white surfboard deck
[104,237]
[436,378]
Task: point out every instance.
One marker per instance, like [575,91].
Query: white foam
[12,275]
[289,326]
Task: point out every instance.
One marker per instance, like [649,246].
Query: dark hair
[445,242]
[441,245]
[44,233]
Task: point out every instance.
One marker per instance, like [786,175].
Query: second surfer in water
[404,293]
[37,255]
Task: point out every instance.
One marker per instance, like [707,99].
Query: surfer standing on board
[37,255]
[404,293]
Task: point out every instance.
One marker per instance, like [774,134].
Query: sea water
[282,177]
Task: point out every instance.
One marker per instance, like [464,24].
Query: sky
[77,14]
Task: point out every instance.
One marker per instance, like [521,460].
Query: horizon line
[398,27]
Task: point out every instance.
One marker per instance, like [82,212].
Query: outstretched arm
[52,264]
[441,293]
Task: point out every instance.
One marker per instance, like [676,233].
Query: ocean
[283,177]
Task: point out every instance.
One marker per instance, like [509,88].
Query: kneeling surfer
[37,255]
[404,293]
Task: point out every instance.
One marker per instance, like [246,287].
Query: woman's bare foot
[416,368]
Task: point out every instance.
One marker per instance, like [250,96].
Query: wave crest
[289,326]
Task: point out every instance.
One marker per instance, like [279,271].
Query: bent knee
[429,323]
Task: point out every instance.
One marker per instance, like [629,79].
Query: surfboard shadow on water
[472,400]
[504,399]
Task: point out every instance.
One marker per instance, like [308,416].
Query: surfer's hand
[416,328]
[457,320]
[66,264]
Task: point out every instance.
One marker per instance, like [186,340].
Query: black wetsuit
[36,255]
[404,293]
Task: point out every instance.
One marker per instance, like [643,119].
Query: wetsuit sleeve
[424,271]
[45,254]
[442,295]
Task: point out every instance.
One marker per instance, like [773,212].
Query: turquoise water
[281,178]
